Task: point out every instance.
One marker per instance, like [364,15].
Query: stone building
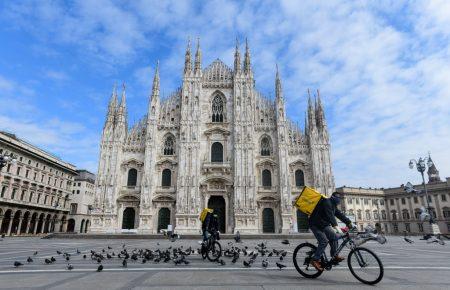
[395,211]
[81,202]
[217,142]
[35,191]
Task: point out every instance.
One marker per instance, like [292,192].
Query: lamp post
[421,166]
[5,159]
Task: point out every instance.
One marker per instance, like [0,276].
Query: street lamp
[421,167]
[5,159]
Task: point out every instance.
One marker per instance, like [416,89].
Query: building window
[381,201]
[30,198]
[8,168]
[391,202]
[73,208]
[403,200]
[26,173]
[266,178]
[443,197]
[166,178]
[266,147]
[217,109]
[366,201]
[420,226]
[383,215]
[359,215]
[217,152]
[367,215]
[375,215]
[430,199]
[22,196]
[394,215]
[417,213]
[13,193]
[299,178]
[169,145]
[405,214]
[45,199]
[132,177]
[433,212]
[416,200]
[38,198]
[407,227]
[357,200]
[18,170]
[349,200]
[446,212]
[3,191]
[395,227]
[448,227]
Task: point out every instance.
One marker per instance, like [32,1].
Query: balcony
[222,167]
[165,189]
[267,189]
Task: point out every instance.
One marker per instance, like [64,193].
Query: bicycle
[211,248]
[359,258]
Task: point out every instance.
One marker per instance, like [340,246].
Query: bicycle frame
[327,264]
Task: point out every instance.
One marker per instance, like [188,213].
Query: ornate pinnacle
[198,57]
[187,59]
[247,63]
[237,58]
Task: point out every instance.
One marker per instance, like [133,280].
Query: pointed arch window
[299,178]
[266,146]
[217,109]
[169,145]
[132,177]
[217,152]
[266,178]
[166,178]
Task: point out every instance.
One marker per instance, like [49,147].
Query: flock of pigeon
[429,238]
[175,255]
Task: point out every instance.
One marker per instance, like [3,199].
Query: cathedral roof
[218,73]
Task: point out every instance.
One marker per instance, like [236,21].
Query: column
[19,226]
[10,225]
[1,221]
[36,224]
[64,229]
[57,225]
[27,229]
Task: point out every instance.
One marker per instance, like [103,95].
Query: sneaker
[338,259]
[317,265]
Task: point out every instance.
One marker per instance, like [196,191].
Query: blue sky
[383,69]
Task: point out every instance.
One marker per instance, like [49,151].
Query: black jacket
[324,215]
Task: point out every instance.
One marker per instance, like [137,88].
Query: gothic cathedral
[215,142]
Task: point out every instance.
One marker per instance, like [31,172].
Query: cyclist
[324,226]
[209,222]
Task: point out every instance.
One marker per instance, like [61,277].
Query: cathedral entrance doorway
[128,218]
[302,222]
[163,218]
[217,203]
[268,221]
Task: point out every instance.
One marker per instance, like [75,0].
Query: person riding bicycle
[324,226]
[209,222]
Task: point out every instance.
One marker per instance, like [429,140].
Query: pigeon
[59,252]
[67,258]
[124,263]
[29,260]
[35,253]
[48,261]
[99,260]
[109,247]
[84,256]
[237,237]
[100,268]
[235,258]
[265,264]
[222,262]
[408,240]
[78,252]
[69,267]
[280,266]
[108,256]
[17,264]
[285,242]
[247,264]
[52,259]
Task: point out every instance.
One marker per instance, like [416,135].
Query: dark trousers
[325,236]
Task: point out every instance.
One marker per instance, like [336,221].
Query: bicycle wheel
[302,260]
[365,266]
[214,251]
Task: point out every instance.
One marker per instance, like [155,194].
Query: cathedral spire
[237,58]
[123,100]
[155,87]
[320,115]
[278,87]
[433,173]
[187,58]
[247,63]
[112,107]
[198,57]
[311,114]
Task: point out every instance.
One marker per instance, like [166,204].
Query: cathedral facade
[215,142]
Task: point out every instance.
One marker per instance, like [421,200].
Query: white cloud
[383,69]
